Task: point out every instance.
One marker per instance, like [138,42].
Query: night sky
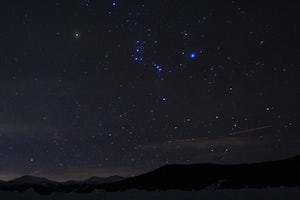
[98,88]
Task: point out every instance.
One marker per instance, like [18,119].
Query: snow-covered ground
[209,194]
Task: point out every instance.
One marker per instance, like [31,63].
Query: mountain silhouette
[280,173]
[30,180]
[97,180]
[45,186]
[198,176]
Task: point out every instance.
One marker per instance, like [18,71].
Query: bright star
[192,55]
[76,35]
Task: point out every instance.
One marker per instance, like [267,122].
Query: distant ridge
[45,186]
[29,179]
[96,180]
[198,176]
[280,173]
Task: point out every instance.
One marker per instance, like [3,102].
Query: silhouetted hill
[97,180]
[199,176]
[45,186]
[181,177]
[29,180]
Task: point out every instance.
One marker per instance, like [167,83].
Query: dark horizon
[182,177]
[145,172]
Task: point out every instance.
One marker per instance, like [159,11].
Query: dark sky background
[97,88]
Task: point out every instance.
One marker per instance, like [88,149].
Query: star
[76,35]
[105,82]
[192,55]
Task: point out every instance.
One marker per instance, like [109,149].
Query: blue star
[193,55]
[159,68]
[114,4]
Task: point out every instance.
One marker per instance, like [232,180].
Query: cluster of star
[108,84]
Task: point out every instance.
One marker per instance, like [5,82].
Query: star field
[97,88]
